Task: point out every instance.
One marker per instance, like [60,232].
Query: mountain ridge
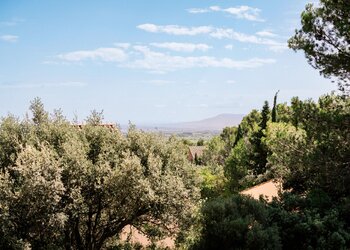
[215,123]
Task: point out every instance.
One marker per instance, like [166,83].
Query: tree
[34,208]
[274,109]
[281,140]
[265,115]
[213,181]
[12,134]
[228,136]
[237,222]
[325,39]
[260,152]
[39,114]
[315,153]
[95,118]
[77,188]
[238,164]
[238,136]
[246,163]
[313,214]
[214,153]
[250,122]
[200,142]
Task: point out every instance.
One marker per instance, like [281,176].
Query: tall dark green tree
[274,109]
[260,152]
[265,115]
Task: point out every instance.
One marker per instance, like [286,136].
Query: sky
[151,61]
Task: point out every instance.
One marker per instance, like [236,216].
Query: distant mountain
[216,123]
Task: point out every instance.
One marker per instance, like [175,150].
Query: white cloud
[229,46]
[122,45]
[175,29]
[43,85]
[240,12]
[245,38]
[103,54]
[231,34]
[9,38]
[197,10]
[218,33]
[266,33]
[184,47]
[244,12]
[142,57]
[160,63]
[215,8]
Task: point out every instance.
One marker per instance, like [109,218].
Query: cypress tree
[265,113]
[274,109]
[260,151]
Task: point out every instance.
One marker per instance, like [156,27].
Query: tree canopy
[70,187]
[325,39]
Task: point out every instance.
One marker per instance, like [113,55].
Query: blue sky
[151,61]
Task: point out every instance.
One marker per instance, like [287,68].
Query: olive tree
[77,187]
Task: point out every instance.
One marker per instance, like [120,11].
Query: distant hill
[213,124]
[216,123]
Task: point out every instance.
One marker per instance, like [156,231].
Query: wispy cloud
[221,33]
[143,57]
[12,22]
[240,12]
[42,85]
[262,37]
[158,82]
[161,63]
[9,38]
[123,45]
[103,54]
[241,37]
[182,47]
[197,10]
[266,33]
[229,47]
[175,29]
